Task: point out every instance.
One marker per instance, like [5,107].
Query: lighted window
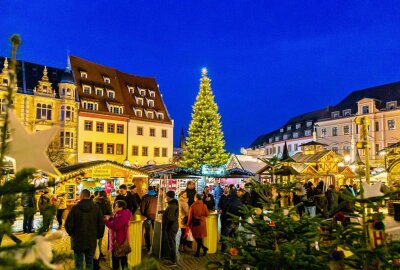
[99,148]
[87,89]
[131,89]
[66,139]
[110,148]
[111,94]
[164,152]
[139,131]
[69,113]
[99,92]
[323,132]
[150,103]
[391,124]
[152,132]
[138,113]
[156,151]
[83,75]
[346,130]
[164,133]
[110,128]
[145,151]
[139,101]
[88,125]
[295,134]
[119,149]
[307,132]
[142,92]
[346,149]
[87,147]
[150,115]
[99,126]
[106,80]
[120,129]
[135,150]
[334,131]
[43,111]
[152,93]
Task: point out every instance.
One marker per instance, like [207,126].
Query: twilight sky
[268,60]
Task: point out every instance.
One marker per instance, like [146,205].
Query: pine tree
[205,143]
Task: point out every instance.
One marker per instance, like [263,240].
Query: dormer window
[131,89]
[288,128]
[139,101]
[117,109]
[309,124]
[285,136]
[92,106]
[111,94]
[99,92]
[138,113]
[152,93]
[365,109]
[160,116]
[277,138]
[307,132]
[106,80]
[87,89]
[295,134]
[335,114]
[347,112]
[391,105]
[150,103]
[270,140]
[83,75]
[150,115]
[281,130]
[142,92]
[298,126]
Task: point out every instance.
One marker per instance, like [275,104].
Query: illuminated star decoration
[371,191]
[29,149]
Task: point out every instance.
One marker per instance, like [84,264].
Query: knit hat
[171,194]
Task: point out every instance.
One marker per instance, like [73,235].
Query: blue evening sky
[268,60]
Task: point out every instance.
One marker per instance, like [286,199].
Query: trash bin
[396,208]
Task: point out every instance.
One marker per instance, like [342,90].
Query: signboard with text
[101,173]
[212,170]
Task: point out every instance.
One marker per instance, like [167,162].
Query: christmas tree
[205,143]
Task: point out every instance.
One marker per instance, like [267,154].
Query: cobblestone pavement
[185,260]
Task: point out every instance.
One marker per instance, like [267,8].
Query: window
[131,89]
[289,128]
[335,114]
[365,109]
[135,150]
[69,113]
[142,92]
[139,131]
[335,149]
[145,150]
[277,138]
[150,115]
[106,80]
[346,149]
[120,129]
[323,132]
[296,147]
[99,148]
[119,149]
[391,124]
[281,130]
[152,94]
[43,111]
[346,130]
[347,112]
[270,140]
[289,147]
[160,116]
[391,105]
[309,123]
[5,82]
[279,149]
[99,126]
[110,148]
[307,132]
[139,101]
[138,112]
[110,128]
[377,148]
[87,147]
[66,139]
[88,125]
[116,109]
[334,131]
[156,151]
[90,106]
[87,89]
[152,132]
[3,105]
[83,75]
[164,152]
[110,94]
[99,92]
[164,133]
[150,103]
[295,134]
[298,126]
[285,136]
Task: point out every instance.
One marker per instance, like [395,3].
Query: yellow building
[45,97]
[122,117]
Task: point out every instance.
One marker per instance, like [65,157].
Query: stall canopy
[156,171]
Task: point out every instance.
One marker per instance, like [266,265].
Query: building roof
[302,158]
[249,163]
[119,82]
[381,94]
[313,143]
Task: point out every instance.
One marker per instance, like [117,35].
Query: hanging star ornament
[371,191]
[29,149]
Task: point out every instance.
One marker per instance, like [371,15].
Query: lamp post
[363,143]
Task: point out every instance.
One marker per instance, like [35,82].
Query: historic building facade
[45,97]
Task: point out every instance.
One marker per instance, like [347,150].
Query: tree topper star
[371,191]
[29,149]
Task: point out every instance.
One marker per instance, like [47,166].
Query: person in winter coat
[234,205]
[148,208]
[218,193]
[47,209]
[223,211]
[135,194]
[309,200]
[208,199]
[191,192]
[106,210]
[333,199]
[29,205]
[84,225]
[183,219]
[321,203]
[126,196]
[118,225]
[61,205]
[197,222]
[244,196]
[170,225]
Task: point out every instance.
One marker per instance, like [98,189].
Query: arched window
[63,92]
[39,111]
[62,113]
[68,92]
[68,113]
[48,112]
[43,111]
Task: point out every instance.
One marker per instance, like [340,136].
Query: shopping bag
[188,235]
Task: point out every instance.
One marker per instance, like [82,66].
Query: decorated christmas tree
[205,143]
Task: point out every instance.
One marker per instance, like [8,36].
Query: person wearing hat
[170,226]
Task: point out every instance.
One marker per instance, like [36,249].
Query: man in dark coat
[208,199]
[29,205]
[148,208]
[84,225]
[170,225]
[222,210]
[135,195]
[126,196]
[190,192]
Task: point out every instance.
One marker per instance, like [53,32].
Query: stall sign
[211,170]
[101,173]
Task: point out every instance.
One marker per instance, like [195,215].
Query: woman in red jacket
[197,222]
[118,225]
